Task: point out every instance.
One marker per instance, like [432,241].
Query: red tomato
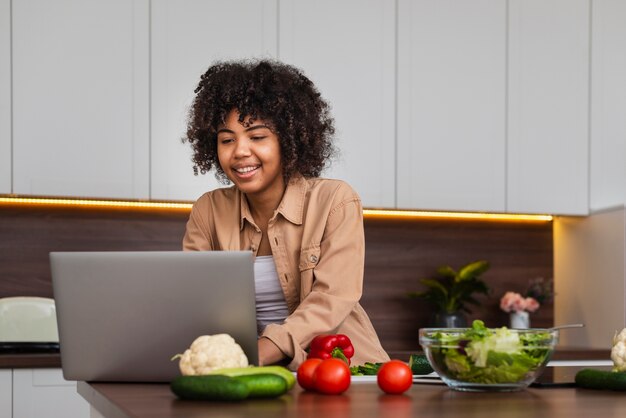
[332,377]
[306,371]
[394,377]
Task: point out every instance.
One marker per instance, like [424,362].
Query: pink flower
[514,302]
[531,304]
[510,302]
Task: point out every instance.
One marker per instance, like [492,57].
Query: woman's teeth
[244,170]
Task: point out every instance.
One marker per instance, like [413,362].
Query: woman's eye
[257,138]
[226,140]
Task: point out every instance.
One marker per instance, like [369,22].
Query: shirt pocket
[309,257]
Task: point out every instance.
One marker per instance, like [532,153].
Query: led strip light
[95,203]
[368,213]
[457,215]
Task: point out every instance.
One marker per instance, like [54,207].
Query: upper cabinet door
[187,37]
[5,97]
[451,104]
[80,97]
[608,105]
[347,48]
[548,154]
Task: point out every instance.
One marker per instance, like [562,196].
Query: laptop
[123,315]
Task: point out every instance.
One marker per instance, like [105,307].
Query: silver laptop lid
[123,315]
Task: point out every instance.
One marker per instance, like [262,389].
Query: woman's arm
[269,353]
[337,279]
[197,233]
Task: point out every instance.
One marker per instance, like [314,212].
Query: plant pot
[520,320]
[449,320]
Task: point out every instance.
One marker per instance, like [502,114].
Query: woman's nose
[242,148]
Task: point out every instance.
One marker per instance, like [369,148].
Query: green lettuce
[483,355]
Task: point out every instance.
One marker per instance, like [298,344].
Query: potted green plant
[451,291]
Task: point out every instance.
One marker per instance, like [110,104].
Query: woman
[263,126]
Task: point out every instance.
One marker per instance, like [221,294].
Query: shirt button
[313,259]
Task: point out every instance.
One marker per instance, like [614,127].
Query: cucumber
[419,364]
[209,388]
[244,371]
[367,369]
[600,379]
[264,385]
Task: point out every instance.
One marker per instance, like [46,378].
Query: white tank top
[271,307]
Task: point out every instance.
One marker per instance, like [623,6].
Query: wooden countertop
[123,400]
[21,361]
[118,400]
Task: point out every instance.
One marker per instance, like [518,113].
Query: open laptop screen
[123,315]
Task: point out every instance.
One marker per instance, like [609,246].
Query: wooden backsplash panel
[398,254]
[29,233]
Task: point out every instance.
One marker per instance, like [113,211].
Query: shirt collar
[244,210]
[291,206]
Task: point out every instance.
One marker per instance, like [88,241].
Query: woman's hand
[269,353]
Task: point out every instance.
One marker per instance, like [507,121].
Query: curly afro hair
[279,94]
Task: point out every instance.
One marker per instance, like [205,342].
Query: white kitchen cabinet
[6,393]
[5,97]
[187,37]
[480,105]
[451,105]
[81,97]
[347,49]
[44,393]
[608,104]
[548,107]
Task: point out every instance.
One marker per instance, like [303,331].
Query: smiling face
[249,155]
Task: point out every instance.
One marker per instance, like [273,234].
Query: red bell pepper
[328,346]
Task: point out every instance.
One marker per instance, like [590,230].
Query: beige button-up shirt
[318,244]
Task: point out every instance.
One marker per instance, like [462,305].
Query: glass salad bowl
[488,359]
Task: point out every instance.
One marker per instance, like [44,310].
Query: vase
[520,320]
[449,320]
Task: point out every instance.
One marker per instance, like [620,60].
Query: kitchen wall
[590,261]
[398,253]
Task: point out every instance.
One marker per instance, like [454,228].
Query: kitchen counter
[561,353]
[29,361]
[362,400]
[40,360]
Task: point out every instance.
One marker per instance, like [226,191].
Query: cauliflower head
[211,352]
[618,352]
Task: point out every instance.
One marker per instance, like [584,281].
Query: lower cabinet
[6,393]
[26,393]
